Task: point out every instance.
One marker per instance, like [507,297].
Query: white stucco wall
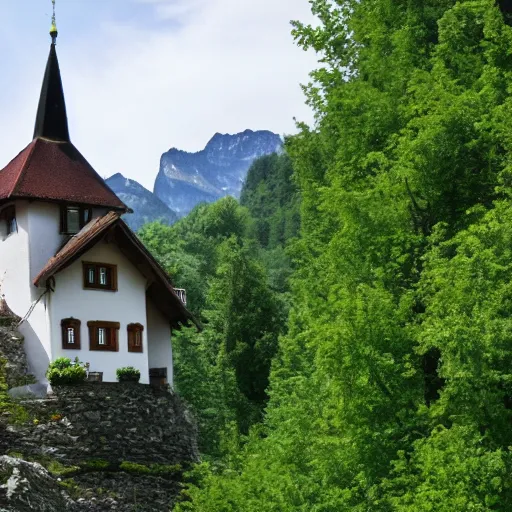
[15,262]
[45,237]
[160,346]
[44,241]
[25,253]
[127,305]
[16,286]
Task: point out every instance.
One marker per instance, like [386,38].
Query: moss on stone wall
[15,413]
[125,447]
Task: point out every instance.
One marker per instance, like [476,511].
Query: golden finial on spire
[53,30]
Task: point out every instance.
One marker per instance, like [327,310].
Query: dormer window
[74,218]
[70,333]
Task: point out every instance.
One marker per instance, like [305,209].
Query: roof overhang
[112,229]
[55,171]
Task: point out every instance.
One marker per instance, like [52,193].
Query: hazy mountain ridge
[186,179]
[145,205]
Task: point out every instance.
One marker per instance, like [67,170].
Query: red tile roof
[55,171]
[115,230]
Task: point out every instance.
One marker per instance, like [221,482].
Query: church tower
[69,266]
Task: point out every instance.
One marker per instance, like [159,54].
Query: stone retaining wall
[101,446]
[108,421]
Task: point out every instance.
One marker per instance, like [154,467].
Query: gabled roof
[113,229]
[50,168]
[55,171]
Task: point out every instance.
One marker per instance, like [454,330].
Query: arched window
[135,339]
[70,333]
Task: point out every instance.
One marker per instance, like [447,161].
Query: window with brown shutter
[100,276]
[104,336]
[135,340]
[70,333]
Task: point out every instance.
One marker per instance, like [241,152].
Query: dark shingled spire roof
[51,120]
[50,168]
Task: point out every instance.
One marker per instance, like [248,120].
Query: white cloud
[175,9]
[203,66]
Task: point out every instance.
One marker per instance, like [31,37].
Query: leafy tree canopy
[391,388]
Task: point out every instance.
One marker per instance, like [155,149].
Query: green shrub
[128,373]
[61,363]
[64,372]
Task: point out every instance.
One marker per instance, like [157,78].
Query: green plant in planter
[128,374]
[64,372]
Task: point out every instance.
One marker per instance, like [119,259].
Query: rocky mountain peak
[186,179]
[145,205]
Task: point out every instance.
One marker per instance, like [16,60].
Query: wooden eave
[113,229]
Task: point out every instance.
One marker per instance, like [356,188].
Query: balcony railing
[182,294]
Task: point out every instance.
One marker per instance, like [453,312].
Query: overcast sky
[142,76]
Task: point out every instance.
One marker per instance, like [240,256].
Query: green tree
[223,371]
[390,390]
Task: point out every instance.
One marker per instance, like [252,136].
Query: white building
[70,267]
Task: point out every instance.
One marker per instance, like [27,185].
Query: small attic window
[100,276]
[74,218]
[8,219]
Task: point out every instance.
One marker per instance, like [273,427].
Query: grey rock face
[75,428]
[27,486]
[13,358]
[146,206]
[186,179]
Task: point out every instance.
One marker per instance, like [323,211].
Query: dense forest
[357,304]
[233,261]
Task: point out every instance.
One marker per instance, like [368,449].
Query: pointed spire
[51,120]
